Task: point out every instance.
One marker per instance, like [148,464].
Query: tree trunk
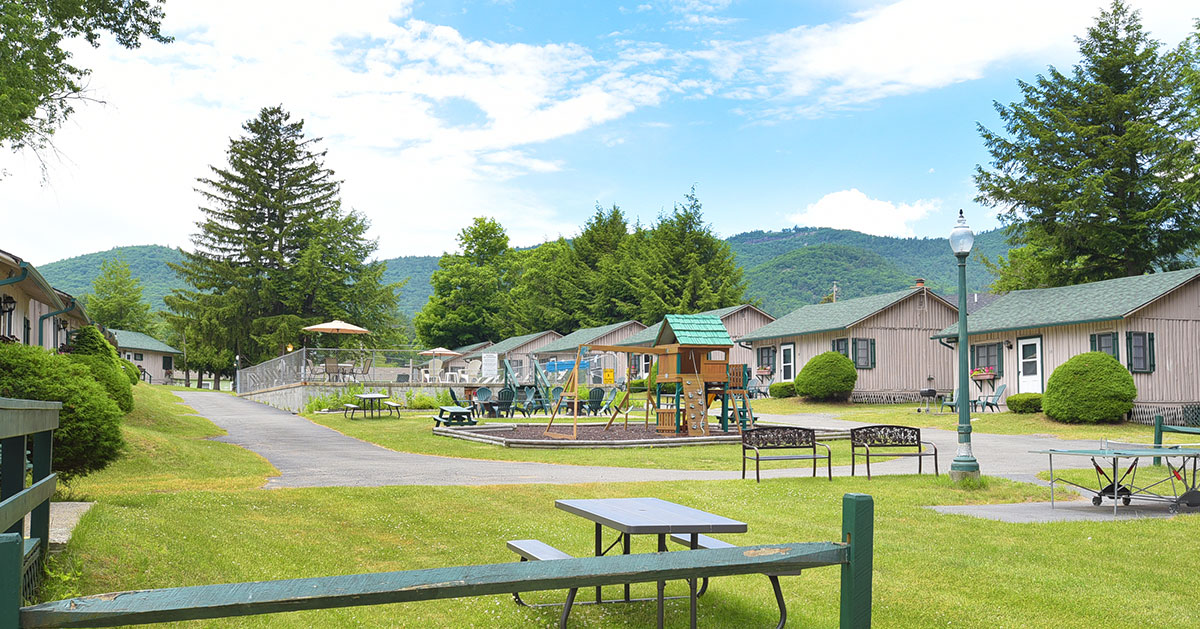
[200,379]
[216,381]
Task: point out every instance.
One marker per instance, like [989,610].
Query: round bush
[1024,402]
[828,376]
[111,377]
[131,371]
[782,389]
[89,431]
[1089,388]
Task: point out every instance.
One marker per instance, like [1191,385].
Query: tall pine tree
[275,252]
[1097,174]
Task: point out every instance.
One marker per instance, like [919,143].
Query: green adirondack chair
[951,401]
[993,401]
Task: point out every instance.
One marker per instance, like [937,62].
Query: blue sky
[848,114]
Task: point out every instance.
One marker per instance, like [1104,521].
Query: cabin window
[986,356]
[766,358]
[167,363]
[137,357]
[863,351]
[841,346]
[1106,342]
[1139,347]
[787,362]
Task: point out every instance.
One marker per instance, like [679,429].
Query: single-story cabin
[738,320]
[31,311]
[460,362]
[518,350]
[1151,323]
[155,359]
[565,349]
[887,336]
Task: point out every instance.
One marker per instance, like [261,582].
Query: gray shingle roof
[572,341]
[137,340]
[646,337]
[1106,300]
[837,315]
[507,345]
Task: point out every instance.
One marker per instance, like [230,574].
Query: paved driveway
[310,455]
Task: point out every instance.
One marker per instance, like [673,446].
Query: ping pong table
[1124,488]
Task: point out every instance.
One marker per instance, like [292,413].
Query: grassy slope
[929,569]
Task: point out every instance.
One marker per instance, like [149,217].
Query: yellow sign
[609,376]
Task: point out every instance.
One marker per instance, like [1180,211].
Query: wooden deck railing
[25,425]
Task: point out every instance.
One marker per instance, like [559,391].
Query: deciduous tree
[116,300]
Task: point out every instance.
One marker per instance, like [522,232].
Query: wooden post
[858,530]
[39,518]
[12,550]
[1158,425]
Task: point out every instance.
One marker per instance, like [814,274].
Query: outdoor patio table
[374,403]
[647,516]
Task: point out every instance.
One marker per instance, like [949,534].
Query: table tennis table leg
[1051,481]
[1115,486]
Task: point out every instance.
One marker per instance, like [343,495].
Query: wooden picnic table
[646,516]
[373,403]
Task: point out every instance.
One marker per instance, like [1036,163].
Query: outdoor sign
[490,366]
[610,376]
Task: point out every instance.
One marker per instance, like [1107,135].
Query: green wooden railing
[25,426]
[853,553]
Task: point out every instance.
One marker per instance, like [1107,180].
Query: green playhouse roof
[837,315]
[1106,300]
[571,342]
[646,337]
[697,329]
[136,340]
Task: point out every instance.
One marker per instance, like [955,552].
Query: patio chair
[331,369]
[951,401]
[455,400]
[471,373]
[752,390]
[555,399]
[504,405]
[526,403]
[606,405]
[482,395]
[993,400]
[365,370]
[595,400]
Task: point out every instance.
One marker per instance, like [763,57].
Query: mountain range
[784,269]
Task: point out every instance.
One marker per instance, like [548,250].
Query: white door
[1029,359]
[787,363]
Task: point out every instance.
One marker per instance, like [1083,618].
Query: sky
[850,114]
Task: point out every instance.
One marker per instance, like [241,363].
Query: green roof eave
[44,285]
[750,339]
[970,332]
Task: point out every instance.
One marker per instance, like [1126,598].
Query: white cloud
[851,209]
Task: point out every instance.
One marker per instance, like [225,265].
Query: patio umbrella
[337,327]
[436,352]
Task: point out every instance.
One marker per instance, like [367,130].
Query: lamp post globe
[964,465]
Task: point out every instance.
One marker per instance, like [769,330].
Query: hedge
[1089,388]
[111,377]
[88,340]
[131,371]
[88,437]
[827,376]
[782,389]
[1024,402]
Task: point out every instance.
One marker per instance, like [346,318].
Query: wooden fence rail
[25,426]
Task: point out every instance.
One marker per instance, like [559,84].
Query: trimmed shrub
[828,376]
[88,437]
[131,371]
[652,379]
[89,341]
[110,376]
[637,386]
[1089,388]
[782,389]
[1024,402]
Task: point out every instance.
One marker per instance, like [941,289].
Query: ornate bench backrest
[877,436]
[779,437]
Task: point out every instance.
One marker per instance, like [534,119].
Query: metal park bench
[887,438]
[853,553]
[782,438]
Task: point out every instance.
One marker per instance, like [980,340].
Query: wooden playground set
[692,353]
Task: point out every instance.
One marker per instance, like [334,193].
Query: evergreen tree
[116,300]
[551,291]
[1096,177]
[597,249]
[274,252]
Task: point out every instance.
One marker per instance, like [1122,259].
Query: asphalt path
[310,455]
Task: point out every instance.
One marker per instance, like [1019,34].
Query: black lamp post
[964,465]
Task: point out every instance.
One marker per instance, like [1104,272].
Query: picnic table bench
[853,554]
[782,438]
[887,437]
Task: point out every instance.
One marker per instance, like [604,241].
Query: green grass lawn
[1006,423]
[413,432]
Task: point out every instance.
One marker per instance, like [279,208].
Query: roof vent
[920,282]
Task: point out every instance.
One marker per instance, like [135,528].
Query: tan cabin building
[1150,323]
[31,311]
[154,359]
[887,336]
[517,350]
[738,320]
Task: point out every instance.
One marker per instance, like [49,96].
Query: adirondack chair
[454,398]
[752,390]
[606,406]
[951,401]
[993,401]
[555,398]
[526,404]
[505,400]
[595,400]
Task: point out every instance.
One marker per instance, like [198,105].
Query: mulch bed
[594,433]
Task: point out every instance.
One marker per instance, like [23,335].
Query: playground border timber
[473,433]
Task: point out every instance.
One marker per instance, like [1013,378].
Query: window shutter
[1092,339]
[999,359]
[872,353]
[833,345]
[972,353]
[1150,350]
[1116,347]
[1129,350]
[854,352]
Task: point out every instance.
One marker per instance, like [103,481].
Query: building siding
[739,324]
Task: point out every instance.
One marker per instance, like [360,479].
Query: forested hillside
[805,276]
[784,269]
